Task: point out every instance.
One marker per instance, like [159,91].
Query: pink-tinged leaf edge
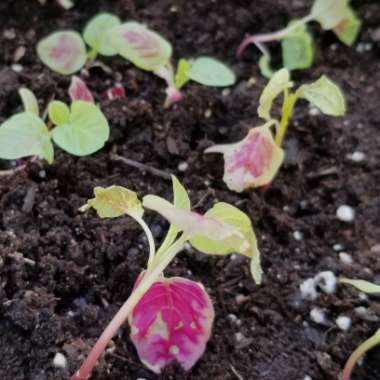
[172,322]
[78,90]
[115,92]
[252,162]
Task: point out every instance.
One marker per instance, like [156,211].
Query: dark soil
[63,274]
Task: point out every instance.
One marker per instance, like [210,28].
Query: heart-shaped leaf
[172,322]
[25,134]
[329,13]
[252,162]
[85,131]
[78,90]
[96,33]
[348,29]
[64,52]
[140,45]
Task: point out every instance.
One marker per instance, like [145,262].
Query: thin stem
[120,317]
[287,110]
[274,36]
[152,248]
[358,353]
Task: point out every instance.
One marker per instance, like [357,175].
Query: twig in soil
[18,256]
[4,173]
[141,166]
[236,373]
[323,173]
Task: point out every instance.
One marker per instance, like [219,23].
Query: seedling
[297,42]
[80,130]
[255,160]
[369,288]
[171,318]
[65,51]
[149,51]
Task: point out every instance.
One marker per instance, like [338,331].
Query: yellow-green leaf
[96,33]
[114,201]
[25,134]
[363,286]
[181,77]
[236,219]
[59,113]
[325,95]
[348,29]
[29,101]
[279,82]
[264,66]
[329,13]
[84,132]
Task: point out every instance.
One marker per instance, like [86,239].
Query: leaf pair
[65,51]
[80,130]
[255,160]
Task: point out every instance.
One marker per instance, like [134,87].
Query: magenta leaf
[172,322]
[78,90]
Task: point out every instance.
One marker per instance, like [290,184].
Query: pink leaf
[78,90]
[171,322]
[252,162]
[115,92]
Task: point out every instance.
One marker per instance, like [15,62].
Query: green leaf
[25,134]
[264,66]
[237,219]
[348,29]
[114,201]
[297,49]
[96,33]
[59,113]
[211,72]
[29,101]
[325,95]
[181,77]
[63,52]
[363,286]
[181,201]
[85,131]
[329,13]
[279,82]
[144,48]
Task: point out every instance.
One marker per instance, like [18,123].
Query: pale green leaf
[363,286]
[325,95]
[181,77]
[140,45]
[329,13]
[211,72]
[264,66]
[297,49]
[237,219]
[63,52]
[279,82]
[114,201]
[59,113]
[181,201]
[25,134]
[348,29]
[96,33]
[29,101]
[85,132]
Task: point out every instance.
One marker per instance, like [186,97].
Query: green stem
[287,111]
[358,353]
[149,278]
[152,248]
[91,56]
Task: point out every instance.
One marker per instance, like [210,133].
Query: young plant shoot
[149,51]
[255,160]
[373,341]
[297,42]
[65,51]
[80,129]
[171,318]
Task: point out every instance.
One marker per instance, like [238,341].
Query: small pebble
[298,235]
[226,92]
[314,111]
[338,247]
[208,113]
[326,281]
[345,213]
[307,377]
[318,316]
[345,258]
[343,322]
[308,289]
[239,337]
[183,166]
[357,156]
[60,361]
[17,68]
